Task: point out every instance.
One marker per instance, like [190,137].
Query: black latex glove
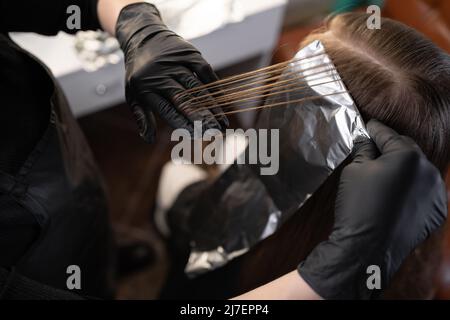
[386,205]
[159,66]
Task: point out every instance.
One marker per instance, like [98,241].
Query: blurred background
[235,36]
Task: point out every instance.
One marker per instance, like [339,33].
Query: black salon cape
[22,81]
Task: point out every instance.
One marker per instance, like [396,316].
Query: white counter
[88,92]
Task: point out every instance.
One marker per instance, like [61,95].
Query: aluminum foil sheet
[243,207]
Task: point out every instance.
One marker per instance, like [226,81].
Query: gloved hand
[159,66]
[386,205]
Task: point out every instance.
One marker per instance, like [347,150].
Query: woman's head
[399,77]
[395,75]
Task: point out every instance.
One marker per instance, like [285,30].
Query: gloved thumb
[364,151]
[146,123]
[388,140]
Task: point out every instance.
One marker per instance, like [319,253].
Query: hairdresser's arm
[50,16]
[160,67]
[108,13]
[287,287]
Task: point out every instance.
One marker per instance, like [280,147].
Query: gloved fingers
[364,151]
[166,111]
[204,71]
[173,92]
[145,121]
[204,97]
[388,140]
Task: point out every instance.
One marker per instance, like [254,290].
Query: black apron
[60,186]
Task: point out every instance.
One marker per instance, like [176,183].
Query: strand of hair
[246,75]
[253,100]
[240,90]
[254,92]
[284,103]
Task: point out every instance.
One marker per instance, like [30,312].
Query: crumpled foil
[243,207]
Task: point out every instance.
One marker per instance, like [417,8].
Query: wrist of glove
[134,18]
[390,199]
[160,66]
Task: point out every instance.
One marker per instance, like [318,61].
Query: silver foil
[243,207]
